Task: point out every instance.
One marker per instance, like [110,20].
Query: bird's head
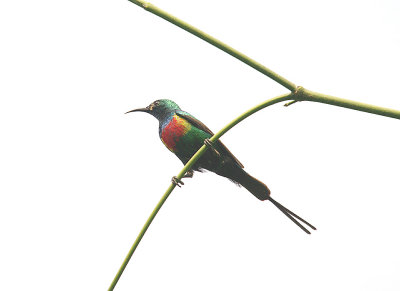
[159,108]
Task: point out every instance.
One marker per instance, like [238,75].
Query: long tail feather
[293,216]
[261,191]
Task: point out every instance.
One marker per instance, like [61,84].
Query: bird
[183,135]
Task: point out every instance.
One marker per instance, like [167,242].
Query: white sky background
[79,178]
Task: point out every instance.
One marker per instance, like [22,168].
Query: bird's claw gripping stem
[208,143]
[188,174]
[177,181]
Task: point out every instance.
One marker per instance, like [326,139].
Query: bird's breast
[172,132]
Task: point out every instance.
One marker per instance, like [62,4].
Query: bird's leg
[208,143]
[178,182]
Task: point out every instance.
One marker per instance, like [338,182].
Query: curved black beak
[139,109]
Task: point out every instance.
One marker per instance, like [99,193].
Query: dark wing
[200,125]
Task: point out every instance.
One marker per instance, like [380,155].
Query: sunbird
[183,134]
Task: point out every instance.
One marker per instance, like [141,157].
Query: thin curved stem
[215,42]
[185,169]
[300,94]
[140,236]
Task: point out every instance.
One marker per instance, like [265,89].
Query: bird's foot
[208,143]
[177,181]
[188,174]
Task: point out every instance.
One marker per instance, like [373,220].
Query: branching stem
[297,94]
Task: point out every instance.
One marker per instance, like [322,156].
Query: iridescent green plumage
[183,134]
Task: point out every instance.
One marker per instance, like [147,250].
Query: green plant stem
[186,168]
[215,42]
[307,95]
[140,236]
